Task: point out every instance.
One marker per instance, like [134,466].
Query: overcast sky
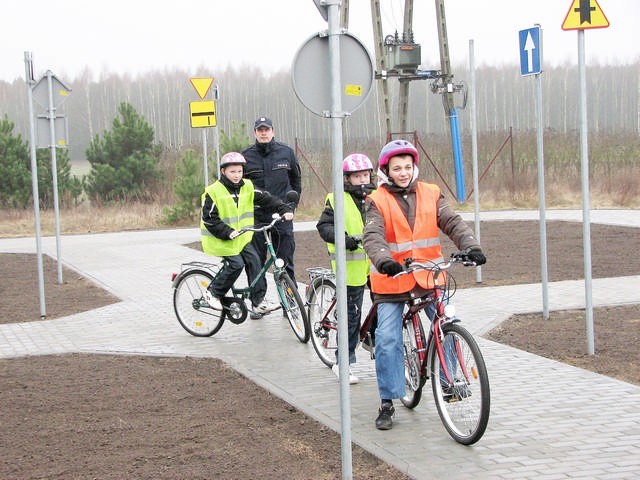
[139,36]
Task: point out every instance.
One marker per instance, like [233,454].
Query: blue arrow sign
[530,51]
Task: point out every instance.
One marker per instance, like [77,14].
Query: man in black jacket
[272,166]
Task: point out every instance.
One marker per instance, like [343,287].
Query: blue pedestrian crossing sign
[530,51]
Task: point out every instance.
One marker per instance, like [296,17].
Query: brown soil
[93,416]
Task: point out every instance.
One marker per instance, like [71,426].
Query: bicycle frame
[245,292]
[433,338]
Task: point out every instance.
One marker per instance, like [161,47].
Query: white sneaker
[352,378]
[265,307]
[214,302]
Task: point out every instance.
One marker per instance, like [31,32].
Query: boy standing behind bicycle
[227,207]
[404,217]
[357,170]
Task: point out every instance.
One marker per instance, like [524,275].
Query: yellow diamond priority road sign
[584,14]
[203,114]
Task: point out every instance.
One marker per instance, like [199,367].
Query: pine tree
[15,188]
[124,161]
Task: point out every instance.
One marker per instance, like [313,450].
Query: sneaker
[369,344]
[214,302]
[385,416]
[265,307]
[455,393]
[352,378]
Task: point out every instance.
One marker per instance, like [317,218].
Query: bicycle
[201,320]
[449,354]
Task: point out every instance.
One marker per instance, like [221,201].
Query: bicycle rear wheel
[413,377]
[464,403]
[293,307]
[324,325]
[193,312]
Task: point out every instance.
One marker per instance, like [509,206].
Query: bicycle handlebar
[276,218]
[411,265]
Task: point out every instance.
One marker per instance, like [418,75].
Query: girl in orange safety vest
[404,217]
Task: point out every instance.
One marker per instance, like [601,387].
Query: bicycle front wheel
[293,307]
[463,400]
[413,345]
[193,312]
[322,319]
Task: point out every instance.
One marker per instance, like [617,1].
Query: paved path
[548,420]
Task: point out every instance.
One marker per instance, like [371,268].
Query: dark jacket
[325,225]
[272,167]
[374,240]
[211,217]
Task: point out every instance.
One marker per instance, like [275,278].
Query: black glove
[391,267]
[350,242]
[475,255]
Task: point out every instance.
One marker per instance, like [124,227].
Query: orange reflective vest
[422,243]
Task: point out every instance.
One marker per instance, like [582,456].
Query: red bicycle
[448,353]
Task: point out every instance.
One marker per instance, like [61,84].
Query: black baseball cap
[263,122]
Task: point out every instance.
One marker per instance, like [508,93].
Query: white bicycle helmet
[232,158]
[356,162]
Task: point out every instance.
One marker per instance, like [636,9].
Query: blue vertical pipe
[457,155]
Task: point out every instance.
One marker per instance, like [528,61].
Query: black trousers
[232,269]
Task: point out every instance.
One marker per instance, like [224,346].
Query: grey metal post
[204,157]
[217,132]
[54,172]
[586,219]
[28,66]
[541,193]
[336,115]
[216,96]
[474,151]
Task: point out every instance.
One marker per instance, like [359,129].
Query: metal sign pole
[204,157]
[474,152]
[531,64]
[216,97]
[541,190]
[339,226]
[346,60]
[28,65]
[541,200]
[54,171]
[586,220]
[217,139]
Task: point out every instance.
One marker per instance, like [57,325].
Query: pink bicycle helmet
[356,162]
[232,158]
[397,147]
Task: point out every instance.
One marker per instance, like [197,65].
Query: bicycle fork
[450,356]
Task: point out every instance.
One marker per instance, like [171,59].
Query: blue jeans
[389,352]
[389,349]
[355,296]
